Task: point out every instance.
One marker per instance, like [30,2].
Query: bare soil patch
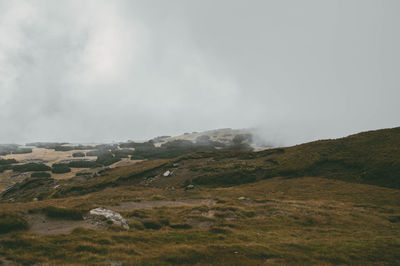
[42,225]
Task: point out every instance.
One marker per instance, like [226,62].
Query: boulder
[167,173]
[110,215]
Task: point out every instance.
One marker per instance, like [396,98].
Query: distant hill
[370,158]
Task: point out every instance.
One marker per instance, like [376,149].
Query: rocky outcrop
[110,215]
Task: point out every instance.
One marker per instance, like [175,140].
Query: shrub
[230,178]
[123,153]
[7,148]
[97,152]
[84,164]
[138,145]
[78,154]
[11,222]
[181,226]
[170,149]
[41,174]
[239,139]
[63,213]
[219,230]
[7,161]
[31,167]
[5,167]
[22,150]
[107,159]
[152,224]
[72,148]
[60,168]
[46,145]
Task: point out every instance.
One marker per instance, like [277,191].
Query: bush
[78,154]
[170,149]
[239,139]
[7,161]
[138,145]
[10,222]
[46,145]
[152,225]
[60,168]
[72,148]
[31,167]
[63,213]
[22,150]
[181,226]
[123,153]
[7,148]
[97,152]
[5,167]
[84,164]
[230,178]
[107,159]
[41,174]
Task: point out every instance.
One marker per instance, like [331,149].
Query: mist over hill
[101,71]
[214,132]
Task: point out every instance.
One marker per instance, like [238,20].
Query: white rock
[241,198]
[115,217]
[167,173]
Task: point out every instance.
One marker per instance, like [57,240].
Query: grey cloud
[116,70]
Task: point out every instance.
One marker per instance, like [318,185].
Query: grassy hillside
[275,221]
[369,158]
[325,202]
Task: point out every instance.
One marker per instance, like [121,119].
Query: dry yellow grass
[279,221]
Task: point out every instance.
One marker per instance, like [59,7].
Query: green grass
[283,221]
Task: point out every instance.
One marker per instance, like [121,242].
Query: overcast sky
[101,71]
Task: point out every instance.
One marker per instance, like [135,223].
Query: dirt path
[42,225]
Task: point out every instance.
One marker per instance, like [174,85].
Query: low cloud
[102,71]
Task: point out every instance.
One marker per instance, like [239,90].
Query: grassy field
[324,203]
[282,221]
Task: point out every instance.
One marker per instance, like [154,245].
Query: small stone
[241,198]
[190,187]
[167,173]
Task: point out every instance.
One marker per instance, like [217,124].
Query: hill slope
[370,158]
[242,208]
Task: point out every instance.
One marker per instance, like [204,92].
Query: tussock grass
[62,213]
[12,222]
[300,210]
